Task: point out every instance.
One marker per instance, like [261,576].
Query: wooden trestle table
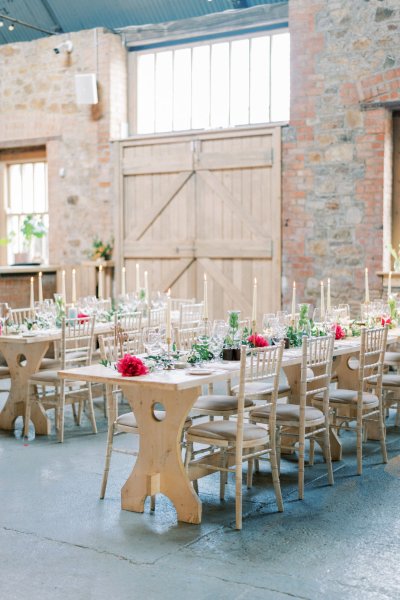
[159,467]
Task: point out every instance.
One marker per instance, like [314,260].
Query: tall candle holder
[169,366]
[253,327]
[205,324]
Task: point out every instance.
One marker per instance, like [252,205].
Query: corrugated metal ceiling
[75,15]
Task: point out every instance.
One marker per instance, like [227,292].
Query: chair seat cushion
[129,419]
[217,402]
[257,388]
[391,380]
[49,376]
[392,358]
[50,363]
[226,431]
[290,412]
[4,372]
[349,397]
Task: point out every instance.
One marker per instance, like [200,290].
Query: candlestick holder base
[169,366]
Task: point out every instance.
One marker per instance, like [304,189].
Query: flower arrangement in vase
[396,257]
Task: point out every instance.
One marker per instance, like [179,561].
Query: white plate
[30,334]
[200,372]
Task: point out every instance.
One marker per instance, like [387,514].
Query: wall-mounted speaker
[86,88]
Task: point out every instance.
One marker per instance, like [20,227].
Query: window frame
[36,156]
[182,44]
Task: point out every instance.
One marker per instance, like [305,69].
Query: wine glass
[268,321]
[344,313]
[4,314]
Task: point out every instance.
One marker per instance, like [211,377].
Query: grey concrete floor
[59,541]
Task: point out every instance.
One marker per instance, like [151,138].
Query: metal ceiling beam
[24,24]
[53,17]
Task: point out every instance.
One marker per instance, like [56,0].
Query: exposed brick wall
[15,288]
[37,99]
[343,53]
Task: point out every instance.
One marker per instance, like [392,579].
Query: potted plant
[231,349]
[32,228]
[396,257]
[101,250]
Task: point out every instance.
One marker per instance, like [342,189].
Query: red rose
[131,366]
[82,317]
[386,321]
[257,341]
[339,333]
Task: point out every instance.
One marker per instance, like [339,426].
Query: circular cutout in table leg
[21,360]
[353,363]
[158,411]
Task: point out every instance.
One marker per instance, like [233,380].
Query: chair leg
[27,416]
[301,467]
[61,411]
[278,449]
[275,476]
[222,475]
[397,421]
[153,503]
[238,494]
[75,414]
[188,458]
[382,431]
[327,452]
[110,435]
[359,431]
[311,455]
[91,409]
[250,465]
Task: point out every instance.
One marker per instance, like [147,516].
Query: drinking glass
[4,314]
[268,321]
[344,313]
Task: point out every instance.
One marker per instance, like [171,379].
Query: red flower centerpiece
[257,341]
[131,366]
[386,321]
[82,317]
[339,333]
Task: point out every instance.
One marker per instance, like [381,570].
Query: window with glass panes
[242,81]
[26,194]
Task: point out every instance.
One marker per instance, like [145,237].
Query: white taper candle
[32,296]
[168,332]
[366,286]
[254,311]
[63,294]
[205,298]
[100,286]
[73,295]
[40,287]
[123,281]
[328,295]
[137,278]
[322,300]
[294,302]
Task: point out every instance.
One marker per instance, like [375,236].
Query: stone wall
[37,99]
[344,54]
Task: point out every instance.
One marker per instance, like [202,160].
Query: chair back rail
[18,316]
[131,321]
[190,315]
[157,317]
[77,341]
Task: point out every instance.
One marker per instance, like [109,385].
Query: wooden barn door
[208,203]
